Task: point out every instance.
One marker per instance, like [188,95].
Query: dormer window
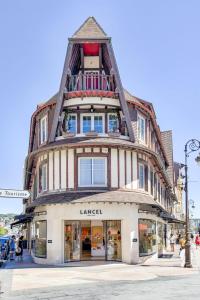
[43,130]
[92,122]
[112,123]
[141,128]
[71,123]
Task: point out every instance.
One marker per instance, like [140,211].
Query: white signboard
[14,194]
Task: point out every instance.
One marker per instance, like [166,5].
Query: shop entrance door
[92,240]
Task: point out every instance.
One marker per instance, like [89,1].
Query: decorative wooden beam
[59,102]
[121,92]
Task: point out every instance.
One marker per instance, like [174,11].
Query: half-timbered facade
[99,169]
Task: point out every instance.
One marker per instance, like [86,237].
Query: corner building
[99,169]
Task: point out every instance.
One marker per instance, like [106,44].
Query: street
[160,279]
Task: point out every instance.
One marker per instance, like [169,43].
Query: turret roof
[90,29]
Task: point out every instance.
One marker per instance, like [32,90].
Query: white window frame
[43,119]
[40,180]
[142,139]
[92,115]
[141,165]
[76,120]
[110,114]
[92,185]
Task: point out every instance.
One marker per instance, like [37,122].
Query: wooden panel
[71,168]
[114,169]
[128,169]
[51,170]
[56,170]
[63,169]
[122,169]
[134,170]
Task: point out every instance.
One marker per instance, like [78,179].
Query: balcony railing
[85,82]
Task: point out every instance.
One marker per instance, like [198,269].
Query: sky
[157,48]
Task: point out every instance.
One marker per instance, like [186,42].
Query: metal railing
[84,82]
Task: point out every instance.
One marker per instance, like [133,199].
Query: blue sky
[157,48]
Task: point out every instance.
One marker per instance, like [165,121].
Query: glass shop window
[41,239]
[147,237]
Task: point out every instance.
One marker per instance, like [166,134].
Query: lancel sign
[91,212]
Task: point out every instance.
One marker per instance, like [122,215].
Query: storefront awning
[170,218]
[22,219]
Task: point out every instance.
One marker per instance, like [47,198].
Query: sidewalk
[169,259]
[26,263]
[173,259]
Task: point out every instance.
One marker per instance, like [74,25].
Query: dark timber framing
[60,94]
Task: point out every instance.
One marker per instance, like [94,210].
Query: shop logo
[91,212]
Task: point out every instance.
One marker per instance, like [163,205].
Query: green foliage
[3,231]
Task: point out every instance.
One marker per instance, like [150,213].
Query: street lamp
[191,146]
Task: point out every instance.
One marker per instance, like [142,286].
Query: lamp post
[191,146]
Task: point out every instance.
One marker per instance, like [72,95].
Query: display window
[41,239]
[160,237]
[147,237]
[92,240]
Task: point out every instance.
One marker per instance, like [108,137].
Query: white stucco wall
[57,214]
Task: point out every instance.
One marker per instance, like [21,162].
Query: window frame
[110,114]
[40,181]
[45,120]
[40,256]
[139,186]
[73,115]
[92,115]
[105,175]
[140,117]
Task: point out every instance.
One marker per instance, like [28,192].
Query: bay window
[43,130]
[92,122]
[92,172]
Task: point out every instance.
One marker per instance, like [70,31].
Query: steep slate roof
[90,29]
[166,137]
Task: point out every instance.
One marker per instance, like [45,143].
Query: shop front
[92,240]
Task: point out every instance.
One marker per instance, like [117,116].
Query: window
[155,186]
[43,130]
[87,124]
[93,123]
[41,239]
[112,122]
[141,176]
[92,172]
[43,178]
[141,128]
[98,124]
[147,237]
[151,180]
[71,124]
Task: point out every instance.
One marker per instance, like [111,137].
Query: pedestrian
[172,240]
[197,240]
[182,244]
[20,245]
[7,249]
[12,247]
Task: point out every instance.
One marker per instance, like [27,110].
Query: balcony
[91,82]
